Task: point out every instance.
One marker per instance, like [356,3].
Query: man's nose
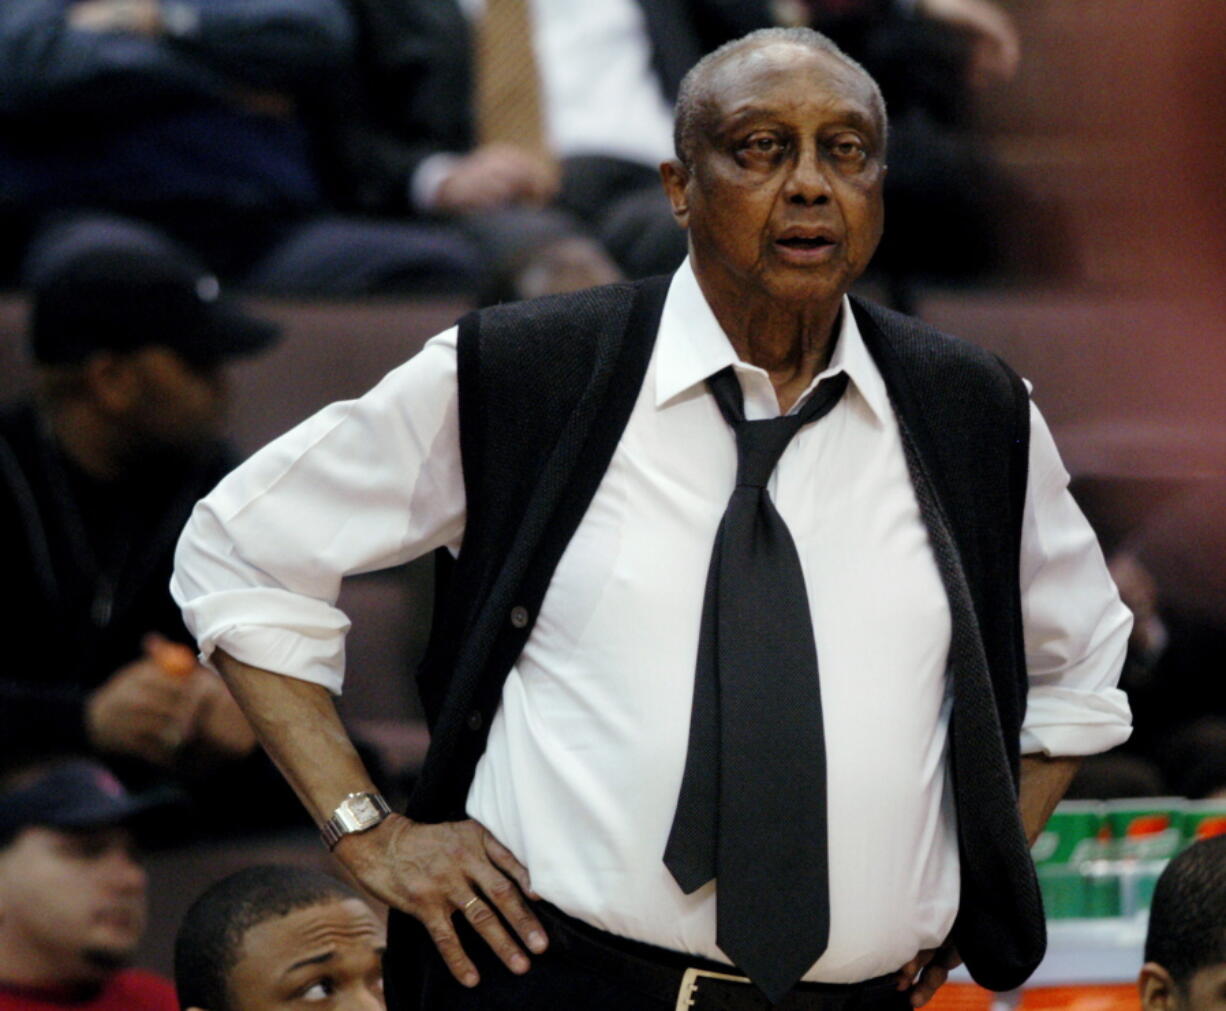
[807,182]
[125,872]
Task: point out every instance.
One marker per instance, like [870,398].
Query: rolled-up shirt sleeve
[1076,626]
[362,485]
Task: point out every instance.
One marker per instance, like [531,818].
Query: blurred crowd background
[360,172]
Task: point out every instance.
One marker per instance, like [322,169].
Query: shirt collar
[691,346]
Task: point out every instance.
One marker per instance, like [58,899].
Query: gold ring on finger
[469,904]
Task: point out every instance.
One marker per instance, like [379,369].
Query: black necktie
[752,807]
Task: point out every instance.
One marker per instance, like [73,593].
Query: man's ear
[1157,988]
[676,179]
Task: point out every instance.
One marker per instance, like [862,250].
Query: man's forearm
[298,725]
[1044,781]
[431,872]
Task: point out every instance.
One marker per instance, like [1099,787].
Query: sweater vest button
[519,617]
[475,720]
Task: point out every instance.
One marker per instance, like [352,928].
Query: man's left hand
[137,17]
[925,973]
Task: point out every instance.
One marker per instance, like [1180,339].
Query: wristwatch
[359,812]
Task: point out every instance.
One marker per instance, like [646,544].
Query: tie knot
[759,445]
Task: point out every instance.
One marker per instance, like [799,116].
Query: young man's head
[271,938]
[133,338]
[1185,952]
[72,895]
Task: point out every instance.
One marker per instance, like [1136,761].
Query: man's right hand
[139,711]
[497,175]
[433,872]
[430,872]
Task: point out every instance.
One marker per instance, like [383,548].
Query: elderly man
[656,831]
[72,893]
[272,937]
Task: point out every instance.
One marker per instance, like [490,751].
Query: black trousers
[558,981]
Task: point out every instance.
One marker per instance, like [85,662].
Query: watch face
[364,809]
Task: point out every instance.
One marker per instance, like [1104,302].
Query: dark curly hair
[1187,918]
[210,939]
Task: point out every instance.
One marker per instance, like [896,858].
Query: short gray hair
[693,94]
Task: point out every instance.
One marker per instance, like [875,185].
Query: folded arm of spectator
[264,43]
[95,56]
[132,713]
[47,66]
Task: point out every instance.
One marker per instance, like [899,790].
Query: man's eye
[321,990]
[848,149]
[762,144]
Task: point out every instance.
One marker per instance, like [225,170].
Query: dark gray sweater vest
[545,390]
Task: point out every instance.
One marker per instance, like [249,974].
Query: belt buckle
[689,985]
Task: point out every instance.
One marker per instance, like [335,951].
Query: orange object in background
[1147,825]
[1210,827]
[173,658]
[1102,997]
[961,997]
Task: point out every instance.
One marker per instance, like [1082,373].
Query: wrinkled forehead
[784,75]
[280,940]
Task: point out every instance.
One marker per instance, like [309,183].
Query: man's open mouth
[804,239]
[805,245]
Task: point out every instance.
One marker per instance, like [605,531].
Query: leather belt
[694,984]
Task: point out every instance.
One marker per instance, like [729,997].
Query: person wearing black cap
[72,895]
[98,472]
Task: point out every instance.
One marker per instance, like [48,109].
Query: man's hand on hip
[433,872]
[933,966]
[429,871]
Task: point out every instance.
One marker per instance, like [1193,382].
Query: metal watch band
[356,813]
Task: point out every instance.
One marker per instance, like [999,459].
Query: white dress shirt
[585,756]
[600,95]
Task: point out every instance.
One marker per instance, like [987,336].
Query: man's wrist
[357,813]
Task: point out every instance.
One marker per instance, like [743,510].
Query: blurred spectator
[952,211]
[538,124]
[279,937]
[1173,677]
[1185,950]
[188,115]
[72,894]
[98,473]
